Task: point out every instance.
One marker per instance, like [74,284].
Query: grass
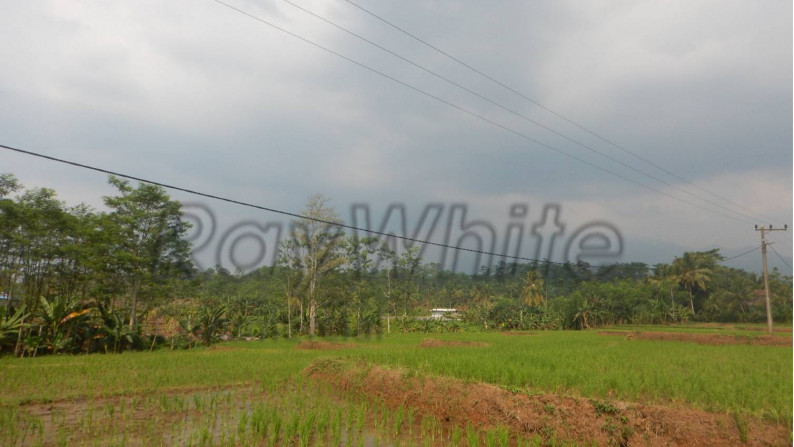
[743,378]
[253,393]
[739,329]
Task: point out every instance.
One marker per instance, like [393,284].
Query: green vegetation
[715,378]
[744,378]
[83,281]
[244,392]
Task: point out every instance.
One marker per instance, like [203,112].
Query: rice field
[257,392]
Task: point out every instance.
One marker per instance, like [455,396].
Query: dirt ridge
[548,415]
[321,345]
[436,343]
[706,339]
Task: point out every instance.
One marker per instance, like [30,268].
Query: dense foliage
[80,280]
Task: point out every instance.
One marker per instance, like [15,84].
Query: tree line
[75,279]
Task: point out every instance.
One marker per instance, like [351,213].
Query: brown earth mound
[433,343]
[220,348]
[517,333]
[707,339]
[550,416]
[763,329]
[321,345]
[732,327]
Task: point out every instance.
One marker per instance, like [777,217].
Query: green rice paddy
[254,393]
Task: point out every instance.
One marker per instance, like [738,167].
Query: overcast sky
[196,94]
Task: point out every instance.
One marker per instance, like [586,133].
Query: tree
[409,263]
[735,293]
[38,242]
[358,254]
[693,271]
[385,253]
[149,245]
[314,249]
[532,291]
[10,221]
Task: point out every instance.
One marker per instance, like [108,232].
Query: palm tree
[693,271]
[738,292]
[663,282]
[532,292]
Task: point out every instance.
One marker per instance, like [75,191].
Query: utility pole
[763,231]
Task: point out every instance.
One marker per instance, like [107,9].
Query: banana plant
[115,330]
[64,320]
[211,321]
[190,328]
[11,324]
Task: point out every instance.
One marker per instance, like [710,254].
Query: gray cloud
[195,94]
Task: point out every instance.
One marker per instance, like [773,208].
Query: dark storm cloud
[194,93]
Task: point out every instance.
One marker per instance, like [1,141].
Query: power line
[471,113]
[272,210]
[742,254]
[779,257]
[512,111]
[787,237]
[549,110]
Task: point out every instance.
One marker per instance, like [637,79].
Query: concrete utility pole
[763,231]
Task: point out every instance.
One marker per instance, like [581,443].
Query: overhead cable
[272,210]
[552,112]
[472,113]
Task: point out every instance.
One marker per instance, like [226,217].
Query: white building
[443,313]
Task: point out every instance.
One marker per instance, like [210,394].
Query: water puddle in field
[358,405]
[246,415]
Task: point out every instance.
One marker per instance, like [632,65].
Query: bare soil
[763,329]
[221,348]
[98,421]
[550,416]
[706,339]
[434,343]
[732,327]
[321,345]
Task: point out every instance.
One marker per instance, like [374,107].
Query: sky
[637,130]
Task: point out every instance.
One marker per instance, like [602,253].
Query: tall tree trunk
[672,306]
[300,328]
[312,317]
[10,291]
[288,293]
[388,298]
[312,308]
[19,349]
[134,306]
